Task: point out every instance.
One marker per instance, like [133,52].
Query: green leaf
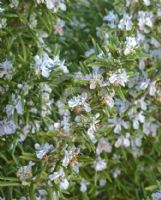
[8,178]
[151,188]
[120,93]
[28,156]
[85,159]
[9,184]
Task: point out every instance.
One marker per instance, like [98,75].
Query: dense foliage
[80,87]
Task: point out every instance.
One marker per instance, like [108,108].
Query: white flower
[97,78]
[42,194]
[55,196]
[43,149]
[118,124]
[44,64]
[129,2]
[103,145]
[75,101]
[62,110]
[126,142]
[58,28]
[90,133]
[25,173]
[14,3]
[145,19]
[102,182]
[92,128]
[70,154]
[57,125]
[50,3]
[155,42]
[65,124]
[156,53]
[63,67]
[136,144]
[76,166]
[78,101]
[9,110]
[40,1]
[66,159]
[147,2]
[57,175]
[159,12]
[60,176]
[119,142]
[1,10]
[156,195]
[64,184]
[143,104]
[140,38]
[62,6]
[6,69]
[7,127]
[18,106]
[108,99]
[131,43]
[83,186]
[119,77]
[152,89]
[150,128]
[25,130]
[111,18]
[138,118]
[33,21]
[3,23]
[116,173]
[144,84]
[89,52]
[78,119]
[123,141]
[142,64]
[125,23]
[137,141]
[122,106]
[53,4]
[100,164]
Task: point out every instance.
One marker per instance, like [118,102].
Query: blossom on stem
[43,149]
[118,78]
[125,23]
[100,164]
[83,185]
[103,145]
[80,100]
[131,43]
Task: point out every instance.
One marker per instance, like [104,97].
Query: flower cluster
[80,86]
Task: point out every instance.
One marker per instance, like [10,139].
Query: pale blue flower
[156,195]
[44,64]
[119,77]
[43,149]
[111,18]
[7,127]
[83,185]
[125,23]
[100,164]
